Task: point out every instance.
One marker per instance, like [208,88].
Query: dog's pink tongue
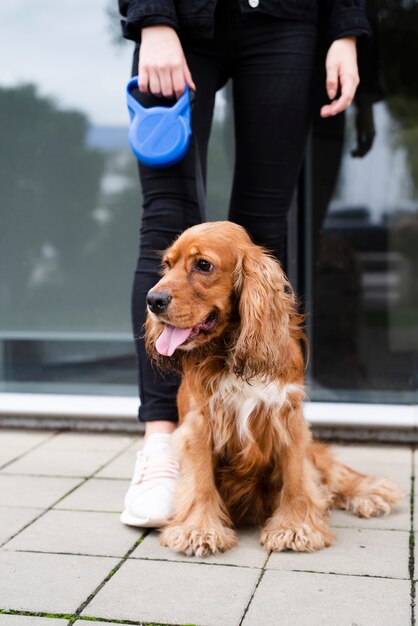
[171,338]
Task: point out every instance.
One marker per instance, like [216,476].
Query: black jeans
[271,62]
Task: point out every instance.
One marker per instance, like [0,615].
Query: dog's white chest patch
[242,399]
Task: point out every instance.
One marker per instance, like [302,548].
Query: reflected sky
[67,50]
[381,180]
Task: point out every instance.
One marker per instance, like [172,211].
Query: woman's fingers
[332,81]
[154,83]
[143,80]
[178,79]
[348,83]
[166,81]
[341,73]
[188,77]
[162,68]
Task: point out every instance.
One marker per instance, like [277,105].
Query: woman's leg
[273,71]
[170,206]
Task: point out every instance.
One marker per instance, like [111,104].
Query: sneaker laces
[155,466]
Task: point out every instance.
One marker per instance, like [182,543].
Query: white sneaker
[149,499]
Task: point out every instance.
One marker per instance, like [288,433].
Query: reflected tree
[398,32]
[49,184]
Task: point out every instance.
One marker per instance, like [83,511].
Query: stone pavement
[65,558]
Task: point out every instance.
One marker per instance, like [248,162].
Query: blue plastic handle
[159,136]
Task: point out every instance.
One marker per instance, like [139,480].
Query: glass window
[361,240]
[70,199]
[70,208]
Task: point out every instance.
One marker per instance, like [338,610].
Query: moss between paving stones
[87,618]
[412,552]
[36,614]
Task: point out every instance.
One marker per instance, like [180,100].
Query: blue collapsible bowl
[159,136]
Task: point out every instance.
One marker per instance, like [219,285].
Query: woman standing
[268,49]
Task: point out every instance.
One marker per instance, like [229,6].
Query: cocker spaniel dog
[224,315]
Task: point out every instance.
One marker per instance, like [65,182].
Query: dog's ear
[266,306]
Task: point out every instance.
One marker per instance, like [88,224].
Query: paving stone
[13,443]
[84,622]
[355,551]
[77,532]
[301,599]
[169,592]
[415,454]
[8,455]
[43,462]
[392,462]
[415,505]
[23,439]
[386,455]
[12,519]
[33,491]
[123,465]
[398,519]
[49,583]
[26,620]
[90,441]
[248,553]
[416,554]
[97,495]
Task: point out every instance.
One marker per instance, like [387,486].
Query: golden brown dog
[224,315]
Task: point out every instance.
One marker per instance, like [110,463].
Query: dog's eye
[204,266]
[165,266]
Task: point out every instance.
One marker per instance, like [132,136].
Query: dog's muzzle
[158,301]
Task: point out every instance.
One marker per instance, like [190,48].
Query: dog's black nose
[158,301]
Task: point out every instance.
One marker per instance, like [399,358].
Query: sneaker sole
[131,520]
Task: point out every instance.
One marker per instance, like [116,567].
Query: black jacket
[341,18]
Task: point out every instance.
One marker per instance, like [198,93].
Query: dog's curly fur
[246,452]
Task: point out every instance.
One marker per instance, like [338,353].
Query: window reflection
[70,209]
[364,237]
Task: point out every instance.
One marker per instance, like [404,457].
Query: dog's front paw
[198,541]
[302,538]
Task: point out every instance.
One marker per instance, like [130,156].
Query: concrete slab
[123,465]
[398,519]
[248,553]
[23,439]
[392,462]
[300,599]
[415,505]
[26,620]
[84,622]
[14,444]
[12,519]
[76,532]
[49,583]
[415,453]
[31,491]
[46,462]
[356,551]
[169,592]
[374,454]
[416,554]
[90,441]
[97,495]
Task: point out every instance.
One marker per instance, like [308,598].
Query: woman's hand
[342,72]
[162,69]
